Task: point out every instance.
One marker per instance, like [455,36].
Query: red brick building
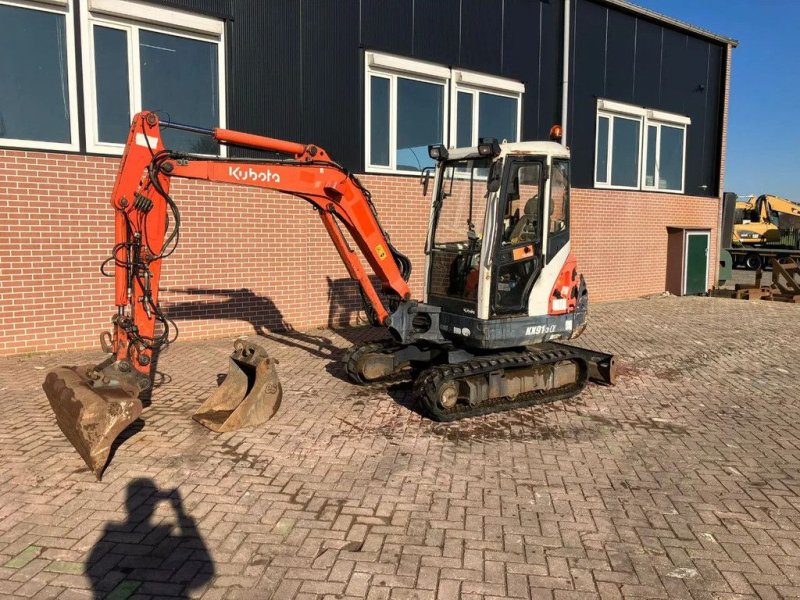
[643,100]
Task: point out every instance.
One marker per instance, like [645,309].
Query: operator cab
[500,215]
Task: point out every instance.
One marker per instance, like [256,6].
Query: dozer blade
[250,394]
[90,417]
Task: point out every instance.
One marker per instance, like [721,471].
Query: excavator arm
[94,403]
[143,202]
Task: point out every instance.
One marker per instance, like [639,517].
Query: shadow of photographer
[144,554]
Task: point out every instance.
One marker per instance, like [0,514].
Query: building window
[38,100]
[639,148]
[665,147]
[172,64]
[419,119]
[485,106]
[409,103]
[405,112]
[618,151]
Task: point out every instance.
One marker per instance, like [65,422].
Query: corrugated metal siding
[332,102]
[531,53]
[552,15]
[620,50]
[388,25]
[264,65]
[436,33]
[295,67]
[624,57]
[481,35]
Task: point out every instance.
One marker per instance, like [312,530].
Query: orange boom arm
[142,202]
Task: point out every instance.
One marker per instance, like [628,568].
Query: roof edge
[646,12]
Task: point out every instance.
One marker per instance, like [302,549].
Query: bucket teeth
[250,394]
[91,418]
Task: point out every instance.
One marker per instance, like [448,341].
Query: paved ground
[683,481]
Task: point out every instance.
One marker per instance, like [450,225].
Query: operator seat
[525,229]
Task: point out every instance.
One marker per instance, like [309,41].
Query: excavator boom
[93,404]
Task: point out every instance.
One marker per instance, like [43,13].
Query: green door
[696,271]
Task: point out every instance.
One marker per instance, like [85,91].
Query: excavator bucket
[91,417]
[250,394]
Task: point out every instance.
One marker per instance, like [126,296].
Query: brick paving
[683,481]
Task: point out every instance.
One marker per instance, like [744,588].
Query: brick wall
[250,260]
[620,238]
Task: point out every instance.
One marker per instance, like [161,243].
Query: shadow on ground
[269,322]
[147,555]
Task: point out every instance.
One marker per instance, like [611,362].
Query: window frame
[654,188]
[473,83]
[610,151]
[647,118]
[391,67]
[65,8]
[126,15]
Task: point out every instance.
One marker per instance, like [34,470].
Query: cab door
[518,248]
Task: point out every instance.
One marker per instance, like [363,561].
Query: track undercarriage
[455,384]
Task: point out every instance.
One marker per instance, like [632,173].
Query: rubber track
[430,380]
[353,355]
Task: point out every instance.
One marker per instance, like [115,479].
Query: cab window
[523,205]
[558,214]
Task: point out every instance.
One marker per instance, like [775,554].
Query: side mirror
[495,176]
[424,179]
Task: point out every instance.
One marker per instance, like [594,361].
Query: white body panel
[540,293]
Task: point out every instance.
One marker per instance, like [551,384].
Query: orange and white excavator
[501,285]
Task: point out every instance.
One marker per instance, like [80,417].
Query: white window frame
[132,16]
[393,67]
[654,188]
[61,7]
[610,154]
[647,117]
[474,84]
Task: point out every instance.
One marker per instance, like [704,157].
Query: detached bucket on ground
[91,417]
[250,395]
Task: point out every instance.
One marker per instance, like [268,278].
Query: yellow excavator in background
[758,221]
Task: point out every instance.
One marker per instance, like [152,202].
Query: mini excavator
[501,285]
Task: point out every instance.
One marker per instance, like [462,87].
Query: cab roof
[550,148]
[506,148]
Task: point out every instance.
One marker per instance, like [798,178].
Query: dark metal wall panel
[387,25]
[674,62]
[712,153]
[691,96]
[621,56]
[332,106]
[436,30]
[481,35]
[522,55]
[295,67]
[264,87]
[588,82]
[550,72]
[647,70]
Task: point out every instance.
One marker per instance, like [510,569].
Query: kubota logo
[252,174]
